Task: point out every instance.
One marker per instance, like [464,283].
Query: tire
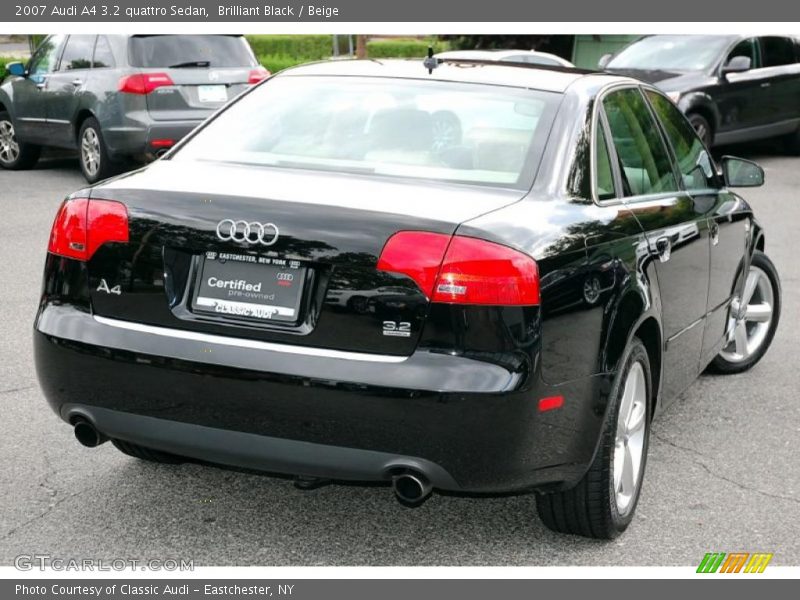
[94,159]
[747,346]
[15,155]
[593,508]
[702,127]
[147,454]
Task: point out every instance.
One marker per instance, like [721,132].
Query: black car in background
[118,98]
[324,281]
[732,88]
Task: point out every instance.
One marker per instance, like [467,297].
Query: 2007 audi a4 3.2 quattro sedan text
[475,278]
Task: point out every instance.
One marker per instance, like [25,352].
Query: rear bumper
[338,415]
[136,136]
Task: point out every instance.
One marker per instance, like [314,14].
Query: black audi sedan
[733,88]
[545,259]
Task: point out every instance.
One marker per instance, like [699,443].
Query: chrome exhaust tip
[87,434]
[411,489]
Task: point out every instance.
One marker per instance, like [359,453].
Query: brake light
[462,270]
[257,75]
[165,143]
[82,226]
[143,83]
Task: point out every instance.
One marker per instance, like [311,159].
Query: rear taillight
[257,75]
[143,83]
[82,226]
[417,254]
[462,270]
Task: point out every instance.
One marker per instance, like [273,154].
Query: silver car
[118,98]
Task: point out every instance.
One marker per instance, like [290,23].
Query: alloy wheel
[629,444]
[90,151]
[750,317]
[9,147]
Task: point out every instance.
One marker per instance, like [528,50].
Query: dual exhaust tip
[410,488]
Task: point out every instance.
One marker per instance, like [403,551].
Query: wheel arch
[702,106]
[80,117]
[634,317]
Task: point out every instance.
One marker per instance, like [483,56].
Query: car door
[727,222]
[30,112]
[783,82]
[65,87]
[741,96]
[676,227]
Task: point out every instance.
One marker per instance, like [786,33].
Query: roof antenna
[430,62]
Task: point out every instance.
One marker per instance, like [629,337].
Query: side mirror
[737,64]
[16,68]
[739,172]
[604,60]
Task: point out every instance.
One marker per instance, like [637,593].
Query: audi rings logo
[265,234]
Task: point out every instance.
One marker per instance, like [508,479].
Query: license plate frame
[212,93]
[249,288]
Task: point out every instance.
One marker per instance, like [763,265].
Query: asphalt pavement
[723,472]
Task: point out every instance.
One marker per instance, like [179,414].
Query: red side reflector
[257,75]
[82,226]
[143,83]
[551,403]
[162,143]
[417,254]
[480,272]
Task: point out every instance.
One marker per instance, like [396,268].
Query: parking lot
[723,471]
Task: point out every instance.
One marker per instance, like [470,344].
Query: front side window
[44,60]
[748,48]
[394,127]
[77,53]
[645,166]
[694,163]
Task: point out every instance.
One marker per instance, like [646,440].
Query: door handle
[714,233]
[766,84]
[77,82]
[664,249]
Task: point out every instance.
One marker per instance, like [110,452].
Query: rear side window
[604,175]
[645,166]
[176,51]
[77,53]
[777,51]
[103,58]
[694,163]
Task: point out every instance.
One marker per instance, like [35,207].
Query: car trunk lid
[321,235]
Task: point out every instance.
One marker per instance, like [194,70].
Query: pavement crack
[41,515]
[17,389]
[716,475]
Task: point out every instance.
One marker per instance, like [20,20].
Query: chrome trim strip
[245,343]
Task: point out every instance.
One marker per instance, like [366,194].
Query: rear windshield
[435,130]
[164,51]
